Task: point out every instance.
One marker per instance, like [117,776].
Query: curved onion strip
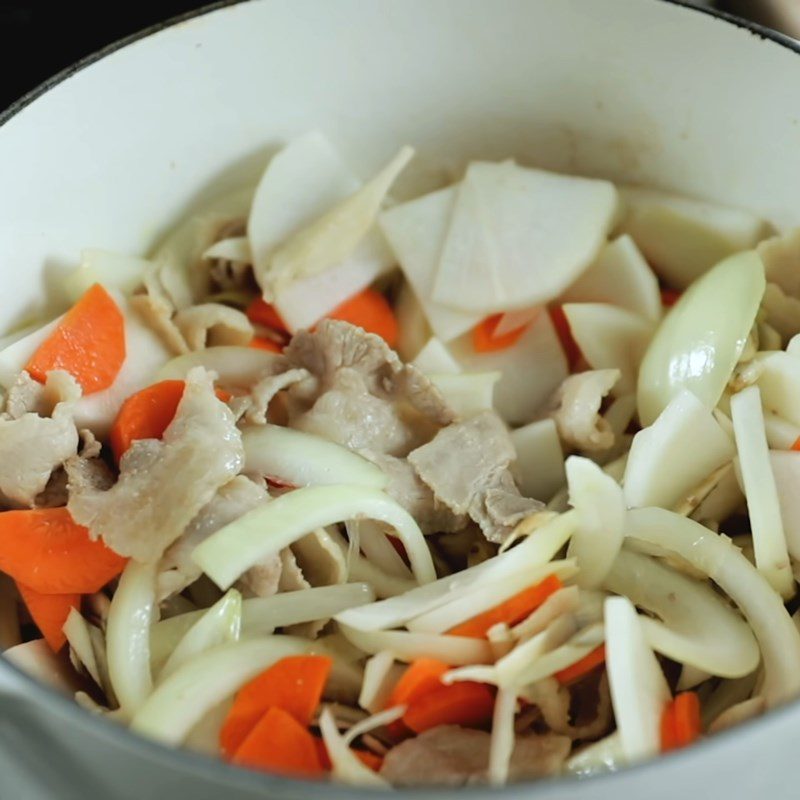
[235,366]
[662,531]
[763,506]
[377,548]
[600,504]
[220,624]
[377,720]
[380,676]
[265,530]
[455,650]
[184,698]
[76,629]
[302,459]
[262,615]
[345,764]
[693,625]
[128,635]
[781,434]
[534,551]
[384,584]
[486,596]
[502,744]
[602,756]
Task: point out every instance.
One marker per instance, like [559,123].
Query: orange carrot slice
[680,722]
[89,343]
[422,676]
[485,340]
[293,684]
[511,611]
[148,413]
[371,311]
[796,445]
[260,312]
[47,551]
[465,703]
[49,612]
[279,743]
[669,297]
[260,343]
[583,667]
[568,343]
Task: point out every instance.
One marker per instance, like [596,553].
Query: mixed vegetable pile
[486,485]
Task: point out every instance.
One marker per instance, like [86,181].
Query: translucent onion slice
[435,358]
[385,584]
[534,551]
[503,737]
[786,473]
[220,624]
[113,270]
[128,636]
[183,699]
[380,676]
[679,449]
[779,383]
[345,764]
[302,459]
[467,393]
[539,466]
[236,366]
[661,532]
[691,623]
[378,550]
[701,339]
[236,547]
[639,691]
[407,647]
[600,504]
[763,506]
[76,629]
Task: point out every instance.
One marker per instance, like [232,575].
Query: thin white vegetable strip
[235,366]
[502,745]
[377,720]
[199,685]
[225,555]
[219,625]
[781,434]
[379,550]
[128,635]
[380,677]
[344,762]
[385,584]
[662,531]
[786,470]
[302,459]
[769,541]
[76,629]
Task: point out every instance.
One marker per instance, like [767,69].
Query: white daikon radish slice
[539,467]
[16,355]
[779,384]
[610,337]
[115,271]
[619,276]
[521,391]
[639,691]
[467,393]
[763,506]
[781,435]
[236,248]
[435,358]
[786,471]
[690,622]
[380,676]
[683,238]
[416,232]
[413,328]
[514,320]
[345,765]
[669,458]
[660,532]
[518,237]
[701,339]
[600,505]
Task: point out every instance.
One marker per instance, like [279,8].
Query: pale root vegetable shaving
[235,366]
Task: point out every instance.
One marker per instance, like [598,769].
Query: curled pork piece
[576,410]
[157,310]
[33,446]
[466,467]
[454,756]
[201,451]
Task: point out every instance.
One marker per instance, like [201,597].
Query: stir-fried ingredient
[451,491]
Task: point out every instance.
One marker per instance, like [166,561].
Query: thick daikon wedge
[539,467]
[416,232]
[701,339]
[619,276]
[779,383]
[683,238]
[610,337]
[467,393]
[532,369]
[518,237]
[786,472]
[684,445]
[435,358]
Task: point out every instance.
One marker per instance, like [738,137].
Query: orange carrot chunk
[568,343]
[259,312]
[368,759]
[484,339]
[796,445]
[464,703]
[511,611]
[669,297]
[89,343]
[680,722]
[371,311]
[148,413]
[279,743]
[50,612]
[583,667]
[293,684]
[422,676]
[260,343]
[46,550]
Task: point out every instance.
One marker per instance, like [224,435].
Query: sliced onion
[236,366]
[236,547]
[786,472]
[380,676]
[781,434]
[467,393]
[377,720]
[302,459]
[539,466]
[779,383]
[76,629]
[701,339]
[503,737]
[378,550]
[663,532]
[384,583]
[345,764]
